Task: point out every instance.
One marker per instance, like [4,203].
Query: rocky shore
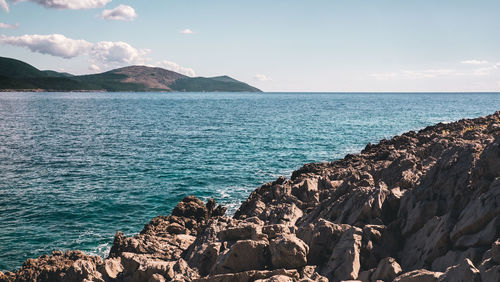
[423,206]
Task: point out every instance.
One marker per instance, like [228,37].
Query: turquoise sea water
[77,167]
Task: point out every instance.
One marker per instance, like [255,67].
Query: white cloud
[474,62]
[261,77]
[60,46]
[384,75]
[186,31]
[103,54]
[8,26]
[120,13]
[415,74]
[175,67]
[431,73]
[94,68]
[52,44]
[4,5]
[69,4]
[118,52]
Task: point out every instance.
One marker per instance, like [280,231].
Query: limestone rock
[419,275]
[274,230]
[386,270]
[344,262]
[111,268]
[247,276]
[242,256]
[463,272]
[277,278]
[157,278]
[288,251]
[242,231]
[492,274]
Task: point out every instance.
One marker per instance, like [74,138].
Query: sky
[279,45]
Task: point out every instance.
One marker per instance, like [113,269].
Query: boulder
[277,278]
[247,276]
[344,262]
[428,243]
[157,278]
[242,231]
[307,190]
[310,272]
[478,212]
[274,230]
[386,270]
[191,207]
[492,274]
[81,270]
[111,268]
[321,237]
[242,256]
[142,267]
[288,251]
[419,275]
[68,266]
[463,272]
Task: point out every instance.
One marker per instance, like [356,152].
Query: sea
[77,167]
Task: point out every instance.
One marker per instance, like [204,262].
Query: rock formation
[423,206]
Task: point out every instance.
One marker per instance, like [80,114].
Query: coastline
[400,209]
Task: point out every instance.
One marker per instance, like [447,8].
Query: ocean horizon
[77,167]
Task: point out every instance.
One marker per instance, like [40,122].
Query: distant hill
[16,75]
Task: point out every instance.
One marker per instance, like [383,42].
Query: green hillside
[211,84]
[15,68]
[18,75]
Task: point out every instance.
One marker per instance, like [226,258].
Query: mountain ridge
[16,75]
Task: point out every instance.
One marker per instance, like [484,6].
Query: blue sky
[336,45]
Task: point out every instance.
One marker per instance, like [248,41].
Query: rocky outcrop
[423,206]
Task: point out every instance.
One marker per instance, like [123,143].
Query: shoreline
[393,209]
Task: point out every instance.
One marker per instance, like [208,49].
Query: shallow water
[77,167]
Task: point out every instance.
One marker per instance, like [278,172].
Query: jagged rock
[242,256]
[240,232]
[283,213]
[494,252]
[321,238]
[419,275]
[288,251]
[168,247]
[490,266]
[307,191]
[455,257]
[141,267]
[309,273]
[344,263]
[191,207]
[492,274]
[82,270]
[463,272]
[274,230]
[68,266]
[111,268]
[386,270]
[428,243]
[478,212]
[276,278]
[248,276]
[157,278]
